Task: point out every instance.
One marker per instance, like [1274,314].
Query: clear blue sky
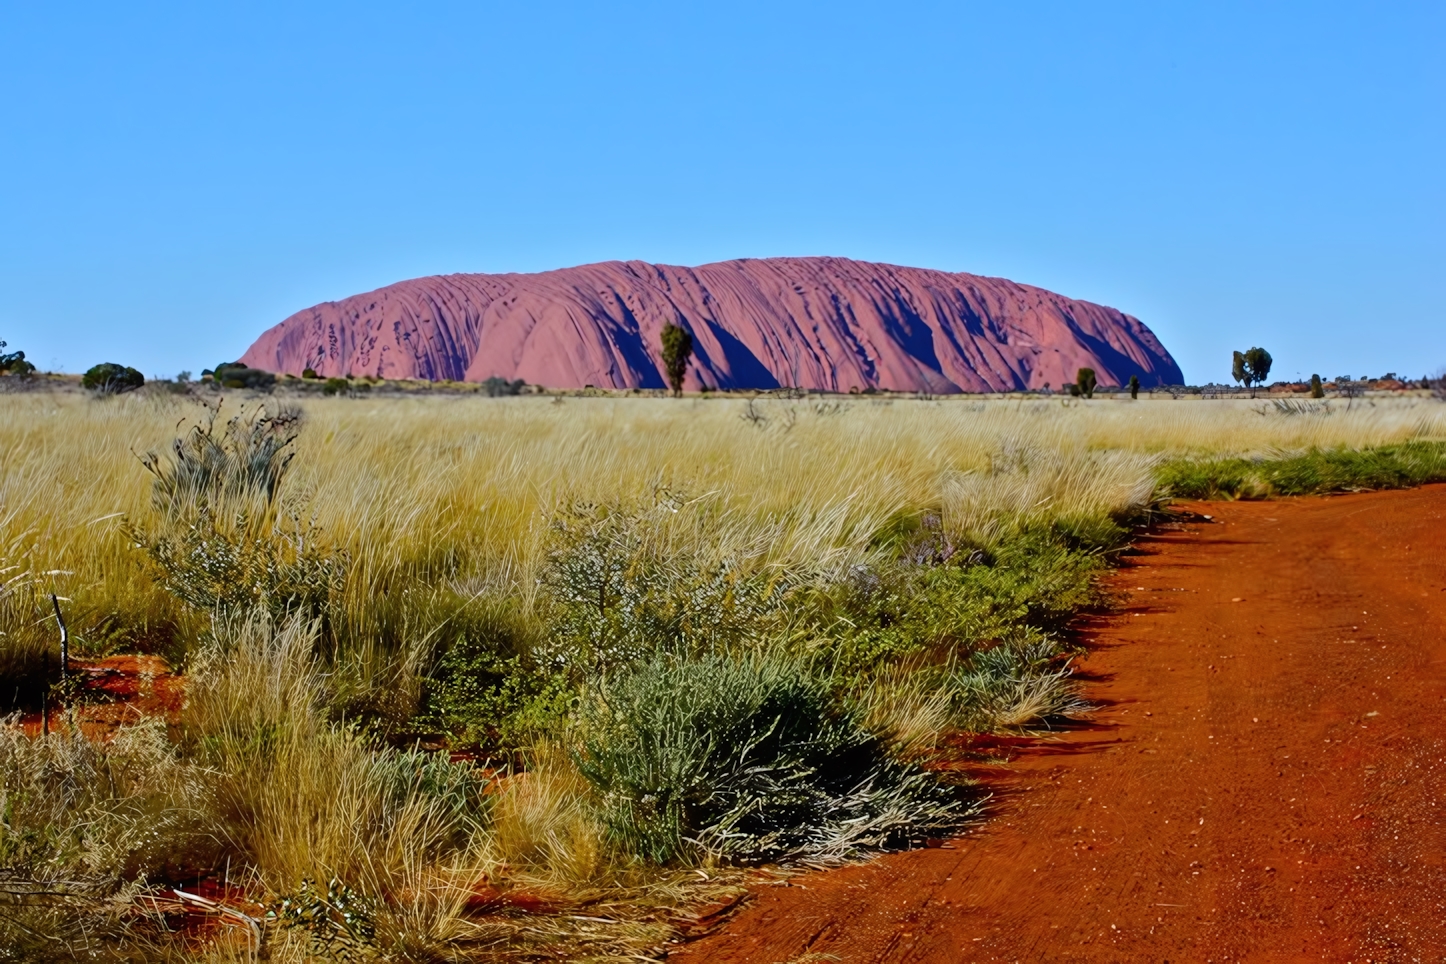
[175,178]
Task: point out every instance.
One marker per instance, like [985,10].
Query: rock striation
[816,323]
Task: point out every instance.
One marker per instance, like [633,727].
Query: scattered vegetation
[654,638]
[1307,473]
[237,375]
[496,386]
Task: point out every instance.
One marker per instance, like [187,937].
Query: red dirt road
[1264,780]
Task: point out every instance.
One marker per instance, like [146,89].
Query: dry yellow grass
[459,489]
[425,492]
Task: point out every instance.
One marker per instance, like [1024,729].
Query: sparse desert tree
[1085,381]
[1251,368]
[497,386]
[1317,390]
[108,378]
[14,363]
[1134,386]
[677,349]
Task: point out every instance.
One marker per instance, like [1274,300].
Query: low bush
[496,387]
[1306,473]
[748,758]
[619,594]
[238,375]
[223,539]
[1012,686]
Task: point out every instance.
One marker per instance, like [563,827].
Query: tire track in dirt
[1264,780]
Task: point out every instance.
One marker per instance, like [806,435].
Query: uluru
[816,323]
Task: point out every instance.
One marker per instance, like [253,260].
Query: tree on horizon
[677,349]
[1251,367]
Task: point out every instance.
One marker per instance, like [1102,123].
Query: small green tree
[1085,380]
[1251,367]
[677,349]
[108,378]
[1134,386]
[14,363]
[1317,390]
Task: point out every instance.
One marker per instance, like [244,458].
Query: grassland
[673,638]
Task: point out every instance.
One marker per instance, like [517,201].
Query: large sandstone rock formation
[822,323]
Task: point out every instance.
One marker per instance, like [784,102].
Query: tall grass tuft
[749,759]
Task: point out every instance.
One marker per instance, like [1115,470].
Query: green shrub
[496,387]
[223,540]
[748,759]
[238,375]
[618,599]
[1010,686]
[1306,473]
[486,687]
[1085,383]
[13,362]
[108,378]
[937,604]
[336,386]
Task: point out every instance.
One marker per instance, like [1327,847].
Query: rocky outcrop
[820,323]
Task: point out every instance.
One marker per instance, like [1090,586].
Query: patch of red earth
[207,912]
[115,691]
[1264,779]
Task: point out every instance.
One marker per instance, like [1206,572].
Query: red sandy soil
[1262,782]
[116,690]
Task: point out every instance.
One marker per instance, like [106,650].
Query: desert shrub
[935,604]
[484,684]
[504,703]
[1305,473]
[336,386]
[620,596]
[747,759]
[238,375]
[496,387]
[108,378]
[223,538]
[1009,686]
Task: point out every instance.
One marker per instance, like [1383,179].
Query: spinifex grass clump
[1007,686]
[748,758]
[82,826]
